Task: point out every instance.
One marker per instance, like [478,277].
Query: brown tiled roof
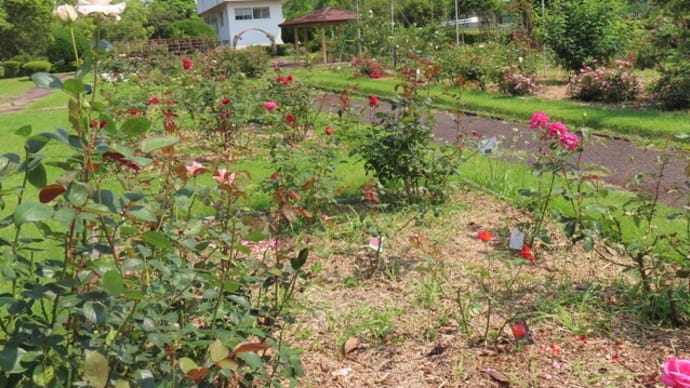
[328,15]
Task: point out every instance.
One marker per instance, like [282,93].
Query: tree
[162,13]
[133,25]
[25,26]
[580,31]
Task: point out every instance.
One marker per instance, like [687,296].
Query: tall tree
[25,27]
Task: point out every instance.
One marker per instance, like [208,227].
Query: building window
[243,13]
[252,13]
[261,13]
[221,20]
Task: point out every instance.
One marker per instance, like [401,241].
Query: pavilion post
[295,34]
[306,46]
[323,45]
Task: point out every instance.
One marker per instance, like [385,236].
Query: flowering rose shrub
[366,67]
[604,83]
[516,83]
[145,280]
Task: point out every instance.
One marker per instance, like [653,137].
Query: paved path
[617,159]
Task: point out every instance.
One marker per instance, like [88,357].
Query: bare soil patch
[404,326]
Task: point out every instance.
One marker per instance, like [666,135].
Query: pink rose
[153,100]
[373,101]
[187,64]
[270,105]
[569,141]
[676,373]
[557,129]
[194,168]
[222,176]
[539,120]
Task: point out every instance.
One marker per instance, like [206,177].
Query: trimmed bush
[11,68]
[604,84]
[672,90]
[190,28]
[60,53]
[35,67]
[2,72]
[251,61]
[514,82]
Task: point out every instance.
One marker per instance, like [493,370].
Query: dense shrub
[251,61]
[365,67]
[472,64]
[515,82]
[672,90]
[190,28]
[60,52]
[2,72]
[35,67]
[604,84]
[11,68]
[579,31]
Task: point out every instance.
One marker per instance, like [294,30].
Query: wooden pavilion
[322,18]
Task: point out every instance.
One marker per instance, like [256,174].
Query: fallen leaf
[351,345]
[496,375]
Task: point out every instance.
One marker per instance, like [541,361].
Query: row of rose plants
[147,269]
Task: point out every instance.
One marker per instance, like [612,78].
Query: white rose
[66,13]
[100,7]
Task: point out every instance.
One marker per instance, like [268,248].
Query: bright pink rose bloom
[557,128]
[676,373]
[539,120]
[373,101]
[270,105]
[222,176]
[187,64]
[569,141]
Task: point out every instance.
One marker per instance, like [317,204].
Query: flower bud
[66,13]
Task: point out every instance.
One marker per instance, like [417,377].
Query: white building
[244,22]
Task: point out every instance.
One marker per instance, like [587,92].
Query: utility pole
[395,59]
[457,26]
[543,22]
[359,31]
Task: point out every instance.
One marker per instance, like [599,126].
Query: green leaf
[187,364]
[156,239]
[135,126]
[37,176]
[94,312]
[218,351]
[46,81]
[77,193]
[298,262]
[42,376]
[113,283]
[157,142]
[121,384]
[31,212]
[10,359]
[24,131]
[96,369]
[35,143]
[252,359]
[104,46]
[74,86]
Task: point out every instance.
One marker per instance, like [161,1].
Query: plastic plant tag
[488,146]
[376,244]
[517,240]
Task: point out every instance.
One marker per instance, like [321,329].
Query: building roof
[325,16]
